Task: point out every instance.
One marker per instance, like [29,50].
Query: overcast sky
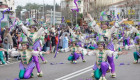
[24,2]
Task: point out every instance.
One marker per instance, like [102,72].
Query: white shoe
[102,78]
[45,62]
[92,74]
[113,75]
[0,63]
[40,74]
[7,62]
[135,62]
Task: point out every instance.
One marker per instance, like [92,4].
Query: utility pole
[51,17]
[54,13]
[44,9]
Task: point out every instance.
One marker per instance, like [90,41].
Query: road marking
[78,74]
[10,63]
[74,73]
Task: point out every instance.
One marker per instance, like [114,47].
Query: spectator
[53,42]
[9,37]
[48,42]
[6,46]
[65,42]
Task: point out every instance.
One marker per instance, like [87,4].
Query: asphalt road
[60,68]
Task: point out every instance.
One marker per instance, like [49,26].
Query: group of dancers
[106,47]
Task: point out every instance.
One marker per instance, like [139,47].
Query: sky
[24,2]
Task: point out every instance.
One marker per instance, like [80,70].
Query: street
[60,68]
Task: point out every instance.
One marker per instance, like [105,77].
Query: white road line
[10,63]
[77,72]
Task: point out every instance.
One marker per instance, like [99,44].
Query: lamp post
[54,13]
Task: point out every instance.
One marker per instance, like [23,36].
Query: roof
[2,9]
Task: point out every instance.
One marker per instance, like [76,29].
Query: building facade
[9,16]
[71,5]
[126,9]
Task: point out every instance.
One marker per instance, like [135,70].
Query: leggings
[111,62]
[6,55]
[76,56]
[136,56]
[2,60]
[102,71]
[25,74]
[36,60]
[42,58]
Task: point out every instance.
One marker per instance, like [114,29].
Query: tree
[18,10]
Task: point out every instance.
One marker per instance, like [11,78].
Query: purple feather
[122,64]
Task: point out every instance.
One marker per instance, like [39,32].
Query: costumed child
[75,55]
[101,66]
[136,54]
[105,34]
[127,35]
[34,35]
[27,63]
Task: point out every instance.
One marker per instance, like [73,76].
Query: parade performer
[27,63]
[127,40]
[101,66]
[136,54]
[75,55]
[105,34]
[34,36]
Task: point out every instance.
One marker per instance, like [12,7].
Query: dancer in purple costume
[27,63]
[101,66]
[34,35]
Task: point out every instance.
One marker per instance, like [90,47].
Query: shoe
[113,75]
[84,60]
[40,74]
[74,62]
[0,63]
[32,75]
[102,78]
[45,62]
[7,62]
[92,74]
[108,70]
[135,62]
